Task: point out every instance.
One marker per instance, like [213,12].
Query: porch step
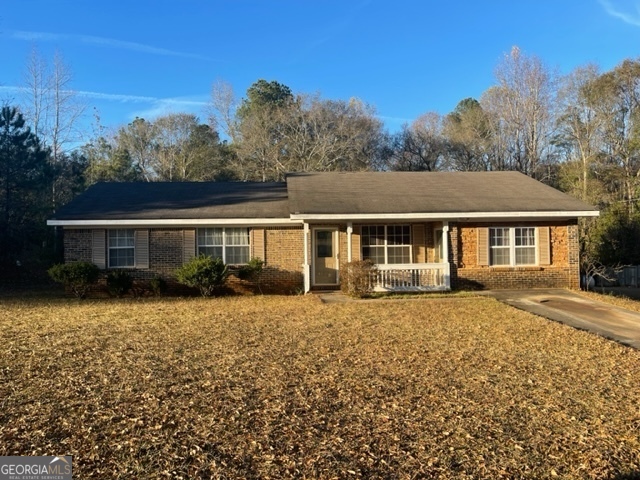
[329,288]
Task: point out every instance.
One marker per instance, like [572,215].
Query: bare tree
[222,109]
[580,133]
[420,146]
[52,106]
[521,109]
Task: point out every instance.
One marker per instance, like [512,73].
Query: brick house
[424,230]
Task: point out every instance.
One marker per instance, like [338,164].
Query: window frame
[225,245]
[512,248]
[386,245]
[117,247]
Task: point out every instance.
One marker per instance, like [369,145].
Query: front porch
[409,257]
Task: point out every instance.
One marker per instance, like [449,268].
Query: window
[386,243]
[324,244]
[121,248]
[509,246]
[229,244]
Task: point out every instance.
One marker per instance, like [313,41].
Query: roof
[309,196]
[356,193]
[178,200]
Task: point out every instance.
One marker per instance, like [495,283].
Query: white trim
[239,222]
[386,245]
[445,255]
[306,269]
[513,248]
[460,216]
[349,233]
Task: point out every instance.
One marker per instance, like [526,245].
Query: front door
[325,256]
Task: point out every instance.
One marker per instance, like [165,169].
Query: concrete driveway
[577,311]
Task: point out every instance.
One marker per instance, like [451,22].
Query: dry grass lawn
[279,387]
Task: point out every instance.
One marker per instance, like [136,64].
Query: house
[424,230]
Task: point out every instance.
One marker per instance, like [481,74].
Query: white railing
[411,277]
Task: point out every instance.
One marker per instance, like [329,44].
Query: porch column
[445,254]
[306,269]
[349,232]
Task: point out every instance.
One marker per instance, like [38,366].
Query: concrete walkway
[577,311]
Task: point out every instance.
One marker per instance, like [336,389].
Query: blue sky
[144,58]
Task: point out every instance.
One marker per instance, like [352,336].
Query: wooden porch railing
[411,277]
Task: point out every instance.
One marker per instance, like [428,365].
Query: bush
[204,273]
[75,276]
[119,282]
[158,286]
[251,271]
[356,278]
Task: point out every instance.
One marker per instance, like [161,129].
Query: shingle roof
[178,200]
[322,193]
[420,192]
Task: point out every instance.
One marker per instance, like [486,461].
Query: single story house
[423,230]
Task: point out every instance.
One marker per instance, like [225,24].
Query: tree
[53,108]
[222,109]
[25,176]
[520,109]
[579,134]
[139,139]
[265,95]
[615,98]
[420,146]
[467,131]
[107,162]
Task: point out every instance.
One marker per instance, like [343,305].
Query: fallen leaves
[273,387]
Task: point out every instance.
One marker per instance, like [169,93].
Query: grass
[277,387]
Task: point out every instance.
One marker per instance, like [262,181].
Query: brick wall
[563,272]
[284,258]
[77,245]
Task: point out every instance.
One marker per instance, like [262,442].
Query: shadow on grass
[626,476]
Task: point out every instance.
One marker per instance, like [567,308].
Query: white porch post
[445,254]
[349,232]
[306,269]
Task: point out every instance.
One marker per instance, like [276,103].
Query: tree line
[578,132]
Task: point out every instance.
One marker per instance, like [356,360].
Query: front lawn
[277,387]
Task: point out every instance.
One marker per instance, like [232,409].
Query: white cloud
[100,41]
[150,107]
[632,18]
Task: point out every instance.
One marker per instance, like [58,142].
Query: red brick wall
[283,258]
[563,272]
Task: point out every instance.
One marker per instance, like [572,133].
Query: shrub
[204,273]
[119,282]
[158,286]
[75,276]
[356,278]
[251,271]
